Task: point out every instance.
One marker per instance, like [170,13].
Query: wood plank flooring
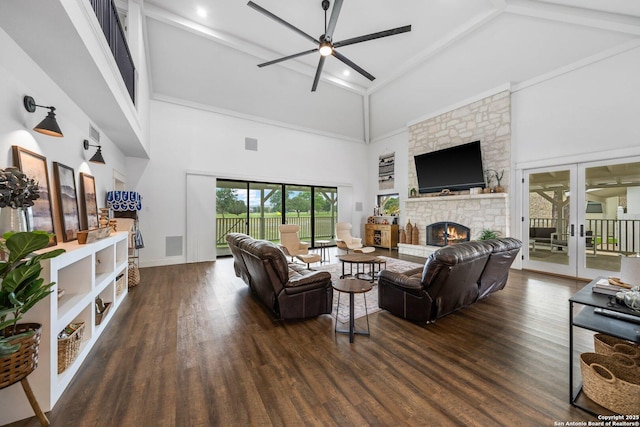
[192,347]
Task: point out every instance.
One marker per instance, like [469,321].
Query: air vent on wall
[94,133]
[251,144]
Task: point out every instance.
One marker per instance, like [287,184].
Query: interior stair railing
[110,22]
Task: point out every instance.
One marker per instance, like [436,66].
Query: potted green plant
[21,286]
[487,234]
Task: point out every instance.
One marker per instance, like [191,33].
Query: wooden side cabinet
[381,235]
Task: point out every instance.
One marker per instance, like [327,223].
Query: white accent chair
[290,241]
[344,239]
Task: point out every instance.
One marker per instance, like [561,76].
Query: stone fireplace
[476,211]
[446,233]
[487,120]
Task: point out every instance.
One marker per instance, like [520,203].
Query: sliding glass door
[258,208]
[325,209]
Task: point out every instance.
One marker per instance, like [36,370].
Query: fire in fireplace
[447,233]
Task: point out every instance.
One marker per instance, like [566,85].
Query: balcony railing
[107,15]
[267,228]
[611,235]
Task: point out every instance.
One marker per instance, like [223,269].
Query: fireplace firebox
[447,233]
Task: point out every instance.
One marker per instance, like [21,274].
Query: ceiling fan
[326,45]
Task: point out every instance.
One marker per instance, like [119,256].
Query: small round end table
[352,286]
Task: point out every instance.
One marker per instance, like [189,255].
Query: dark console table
[583,307]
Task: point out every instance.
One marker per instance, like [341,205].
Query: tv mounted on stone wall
[454,168]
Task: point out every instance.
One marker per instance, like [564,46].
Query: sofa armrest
[306,282]
[413,271]
[400,280]
[304,245]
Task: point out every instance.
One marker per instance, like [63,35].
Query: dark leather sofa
[453,277]
[289,290]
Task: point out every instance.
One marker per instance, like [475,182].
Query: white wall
[193,139]
[20,76]
[591,110]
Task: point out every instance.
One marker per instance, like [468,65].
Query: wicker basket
[69,347]
[18,365]
[607,345]
[121,285]
[612,382]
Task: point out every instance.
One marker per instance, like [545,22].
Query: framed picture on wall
[67,201]
[34,166]
[88,201]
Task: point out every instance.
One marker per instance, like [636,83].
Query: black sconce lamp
[49,126]
[97,158]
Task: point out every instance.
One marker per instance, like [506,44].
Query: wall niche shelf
[84,272]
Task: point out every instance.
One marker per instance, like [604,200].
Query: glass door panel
[297,209]
[265,211]
[231,212]
[325,209]
[610,216]
[550,219]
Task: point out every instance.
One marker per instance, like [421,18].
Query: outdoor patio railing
[610,235]
[267,228]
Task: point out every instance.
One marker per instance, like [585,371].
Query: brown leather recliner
[290,291]
[453,277]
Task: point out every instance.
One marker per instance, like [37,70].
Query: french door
[578,220]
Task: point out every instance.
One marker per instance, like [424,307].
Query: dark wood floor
[192,347]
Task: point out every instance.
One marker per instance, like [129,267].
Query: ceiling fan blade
[352,65]
[316,79]
[337,5]
[373,36]
[295,55]
[282,21]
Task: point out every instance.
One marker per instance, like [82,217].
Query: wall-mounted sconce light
[49,126]
[97,158]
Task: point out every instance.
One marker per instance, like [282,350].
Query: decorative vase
[498,189]
[403,236]
[409,231]
[14,219]
[413,192]
[414,235]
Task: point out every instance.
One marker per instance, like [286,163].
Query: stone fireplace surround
[488,120]
[476,211]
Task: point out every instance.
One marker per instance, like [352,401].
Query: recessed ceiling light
[202,12]
[346,73]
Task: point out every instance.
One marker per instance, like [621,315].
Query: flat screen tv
[454,168]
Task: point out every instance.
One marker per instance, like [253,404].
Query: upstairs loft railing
[107,15]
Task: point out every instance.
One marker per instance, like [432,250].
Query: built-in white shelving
[84,272]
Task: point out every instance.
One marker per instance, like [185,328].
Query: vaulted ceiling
[457,49]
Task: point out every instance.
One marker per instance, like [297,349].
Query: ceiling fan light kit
[326,46]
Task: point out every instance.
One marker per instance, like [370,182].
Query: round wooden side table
[352,286]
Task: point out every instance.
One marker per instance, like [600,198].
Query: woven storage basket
[18,365]
[121,285]
[69,347]
[607,345]
[613,382]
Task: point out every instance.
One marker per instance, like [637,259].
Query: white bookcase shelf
[84,272]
